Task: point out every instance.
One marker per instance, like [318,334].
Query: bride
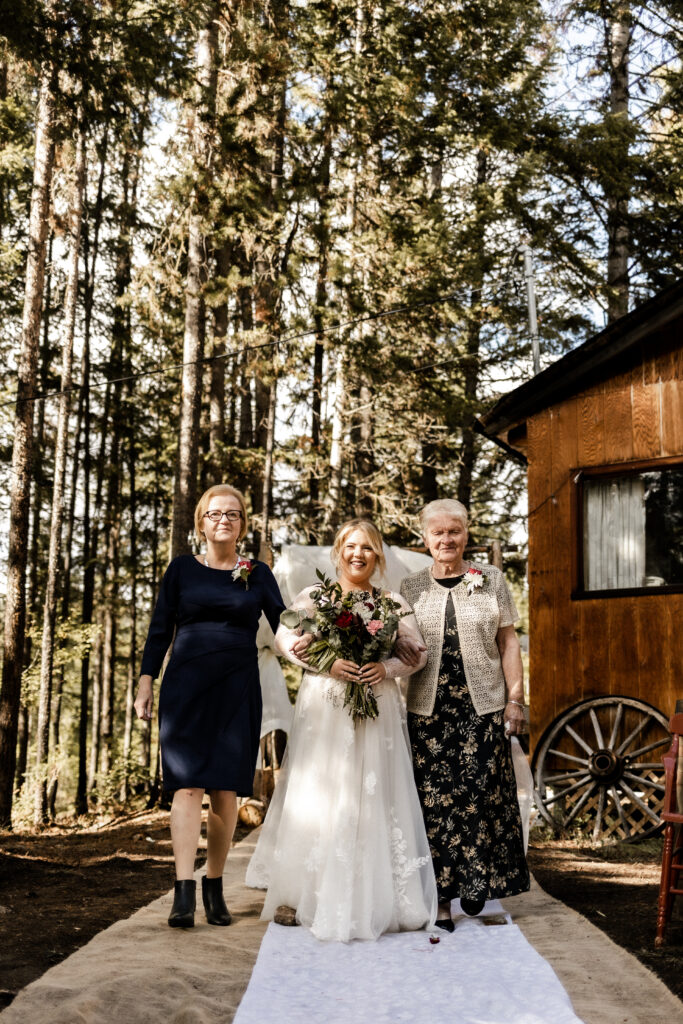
[343,843]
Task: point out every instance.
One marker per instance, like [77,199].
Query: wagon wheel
[596,769]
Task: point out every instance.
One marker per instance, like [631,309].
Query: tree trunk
[262,405]
[267,294]
[429,487]
[132,651]
[110,626]
[333,497]
[318,319]
[119,362]
[246,425]
[23,733]
[185,489]
[619,41]
[22,450]
[89,549]
[264,553]
[55,720]
[40,815]
[39,473]
[471,363]
[145,758]
[217,387]
[36,533]
[95,711]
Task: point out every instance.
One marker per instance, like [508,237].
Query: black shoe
[446,923]
[184,902]
[472,905]
[214,904]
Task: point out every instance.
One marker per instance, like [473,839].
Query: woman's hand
[513,719]
[409,651]
[346,671]
[373,672]
[300,646]
[144,702]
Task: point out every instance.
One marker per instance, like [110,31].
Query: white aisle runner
[478,974]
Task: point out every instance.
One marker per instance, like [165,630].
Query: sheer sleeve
[285,638]
[407,627]
[273,605]
[163,623]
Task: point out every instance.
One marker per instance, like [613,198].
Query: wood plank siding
[630,645]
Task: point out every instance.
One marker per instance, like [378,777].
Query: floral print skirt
[466,784]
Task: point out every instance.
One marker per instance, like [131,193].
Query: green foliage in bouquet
[359,626]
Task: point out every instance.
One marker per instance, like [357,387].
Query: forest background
[276,243]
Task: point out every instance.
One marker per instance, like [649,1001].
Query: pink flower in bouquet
[374,626]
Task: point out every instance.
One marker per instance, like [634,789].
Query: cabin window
[633,530]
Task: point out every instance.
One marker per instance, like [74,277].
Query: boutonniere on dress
[243,571]
[474,579]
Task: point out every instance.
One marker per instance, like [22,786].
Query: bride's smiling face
[357,560]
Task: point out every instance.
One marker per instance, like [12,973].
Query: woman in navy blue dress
[210,704]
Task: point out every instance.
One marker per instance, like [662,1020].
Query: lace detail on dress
[402,866]
[333,692]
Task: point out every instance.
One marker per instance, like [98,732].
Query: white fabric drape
[614,533]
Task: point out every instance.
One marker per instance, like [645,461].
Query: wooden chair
[672,815]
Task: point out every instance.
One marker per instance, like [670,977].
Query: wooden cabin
[601,431]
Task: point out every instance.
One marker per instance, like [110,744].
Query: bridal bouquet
[357,626]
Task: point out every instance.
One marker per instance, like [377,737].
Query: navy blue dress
[210,702]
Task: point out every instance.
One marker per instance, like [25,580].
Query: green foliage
[73,640]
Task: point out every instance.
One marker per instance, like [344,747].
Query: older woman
[210,704]
[462,707]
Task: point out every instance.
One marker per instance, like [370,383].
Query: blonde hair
[203,504]
[374,538]
[443,507]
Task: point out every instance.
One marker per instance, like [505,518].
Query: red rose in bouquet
[357,626]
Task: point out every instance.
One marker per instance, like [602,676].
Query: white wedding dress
[344,840]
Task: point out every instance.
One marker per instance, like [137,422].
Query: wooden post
[496,550]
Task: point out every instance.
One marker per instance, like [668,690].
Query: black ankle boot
[184,902]
[214,904]
[472,905]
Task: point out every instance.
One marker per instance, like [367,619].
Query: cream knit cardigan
[479,616]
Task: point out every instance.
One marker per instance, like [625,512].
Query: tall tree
[184,495]
[22,448]
[61,446]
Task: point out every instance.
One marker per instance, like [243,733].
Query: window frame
[606,472]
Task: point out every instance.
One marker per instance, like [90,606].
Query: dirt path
[616,888]
[140,970]
[60,888]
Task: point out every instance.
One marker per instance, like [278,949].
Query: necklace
[206,563]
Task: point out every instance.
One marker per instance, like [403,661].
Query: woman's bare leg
[220,829]
[186,823]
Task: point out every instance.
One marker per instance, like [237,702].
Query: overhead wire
[276,343]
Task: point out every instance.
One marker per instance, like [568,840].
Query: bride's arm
[407,629]
[285,638]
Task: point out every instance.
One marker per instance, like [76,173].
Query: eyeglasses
[215,516]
